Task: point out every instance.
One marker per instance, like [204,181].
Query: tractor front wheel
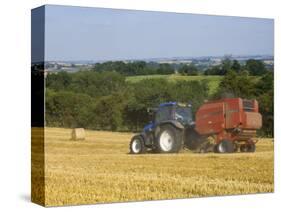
[137,145]
[225,146]
[168,140]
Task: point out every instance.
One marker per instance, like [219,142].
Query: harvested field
[100,170]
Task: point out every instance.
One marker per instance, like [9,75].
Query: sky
[83,33]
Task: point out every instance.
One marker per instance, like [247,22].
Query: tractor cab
[173,111]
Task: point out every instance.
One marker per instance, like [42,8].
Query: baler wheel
[225,146]
[243,148]
[251,147]
[236,147]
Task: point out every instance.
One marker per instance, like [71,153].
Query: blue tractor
[172,129]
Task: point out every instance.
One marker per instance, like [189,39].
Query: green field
[213,81]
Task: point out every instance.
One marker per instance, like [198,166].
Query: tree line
[135,68]
[253,67]
[104,100]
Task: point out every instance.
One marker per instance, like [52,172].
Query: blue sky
[81,33]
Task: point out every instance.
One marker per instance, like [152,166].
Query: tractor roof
[172,104]
[167,104]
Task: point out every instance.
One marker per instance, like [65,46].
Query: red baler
[230,120]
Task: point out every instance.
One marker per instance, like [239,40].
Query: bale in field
[78,134]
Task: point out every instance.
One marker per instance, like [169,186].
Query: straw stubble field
[100,170]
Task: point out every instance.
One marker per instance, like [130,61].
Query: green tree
[225,66]
[108,112]
[214,70]
[58,81]
[236,66]
[255,67]
[190,70]
[234,85]
[165,68]
[68,109]
[265,95]
[96,84]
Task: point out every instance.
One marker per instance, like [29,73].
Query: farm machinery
[222,126]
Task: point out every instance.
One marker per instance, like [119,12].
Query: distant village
[202,63]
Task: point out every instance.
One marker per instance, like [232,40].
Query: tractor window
[183,114]
[163,114]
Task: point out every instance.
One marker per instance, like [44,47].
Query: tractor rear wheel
[225,146]
[168,140]
[137,145]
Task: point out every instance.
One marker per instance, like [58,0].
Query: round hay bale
[78,134]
